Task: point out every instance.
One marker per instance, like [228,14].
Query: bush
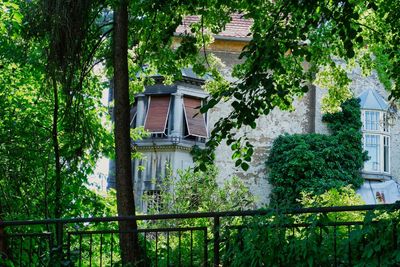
[190,192]
[352,238]
[199,191]
[312,240]
[315,163]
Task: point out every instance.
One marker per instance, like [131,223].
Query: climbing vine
[314,163]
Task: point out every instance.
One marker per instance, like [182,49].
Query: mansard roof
[188,76]
[371,99]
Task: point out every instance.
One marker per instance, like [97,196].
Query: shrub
[199,191]
[312,240]
[189,192]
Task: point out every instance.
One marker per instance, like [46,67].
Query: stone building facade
[382,141]
[169,147]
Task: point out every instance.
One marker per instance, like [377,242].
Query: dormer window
[171,114]
[376,138]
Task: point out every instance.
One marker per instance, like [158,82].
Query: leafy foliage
[26,119]
[311,240]
[199,192]
[191,192]
[345,196]
[48,41]
[315,163]
[279,239]
[291,42]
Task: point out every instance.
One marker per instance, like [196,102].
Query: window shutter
[157,114]
[195,121]
[132,115]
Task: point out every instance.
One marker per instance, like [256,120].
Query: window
[376,141]
[386,154]
[132,116]
[173,115]
[380,198]
[152,199]
[372,147]
[385,122]
[372,120]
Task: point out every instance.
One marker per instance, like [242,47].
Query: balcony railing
[201,239]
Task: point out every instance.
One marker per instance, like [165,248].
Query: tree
[28,161]
[125,198]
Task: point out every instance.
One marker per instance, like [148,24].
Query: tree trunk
[125,198]
[58,182]
[56,148]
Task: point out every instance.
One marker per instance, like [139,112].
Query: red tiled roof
[238,27]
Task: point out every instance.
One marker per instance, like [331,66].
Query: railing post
[3,246]
[216,240]
[59,239]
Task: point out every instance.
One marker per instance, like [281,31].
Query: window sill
[377,176]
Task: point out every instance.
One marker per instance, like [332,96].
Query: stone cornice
[171,148]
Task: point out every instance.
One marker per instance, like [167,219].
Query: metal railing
[193,239]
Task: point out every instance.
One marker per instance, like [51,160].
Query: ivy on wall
[315,163]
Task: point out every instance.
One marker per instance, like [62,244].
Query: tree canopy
[28,162]
[37,47]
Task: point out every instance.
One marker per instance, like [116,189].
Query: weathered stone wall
[305,119]
[268,128]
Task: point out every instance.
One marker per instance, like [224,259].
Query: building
[168,113]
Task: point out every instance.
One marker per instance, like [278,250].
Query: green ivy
[314,163]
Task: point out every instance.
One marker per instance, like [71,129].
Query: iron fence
[194,239]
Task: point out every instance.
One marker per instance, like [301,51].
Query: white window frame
[383,133]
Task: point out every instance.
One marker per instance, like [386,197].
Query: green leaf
[245,166]
[238,162]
